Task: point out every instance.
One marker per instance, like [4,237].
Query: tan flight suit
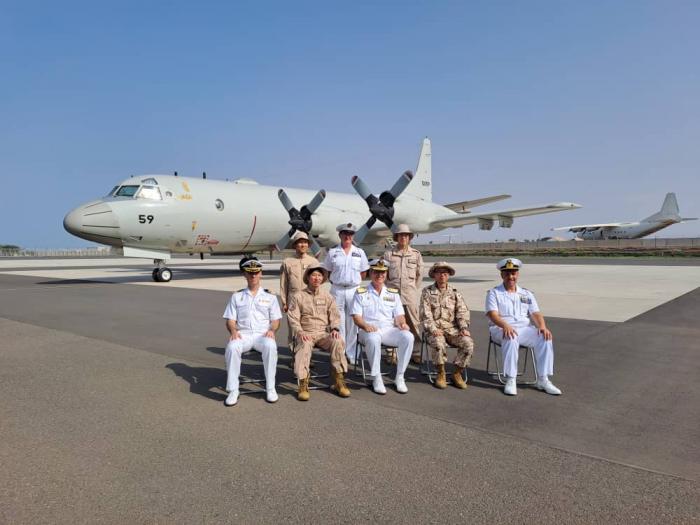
[292,280]
[406,274]
[446,310]
[315,314]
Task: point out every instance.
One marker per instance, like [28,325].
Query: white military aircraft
[154,216]
[667,216]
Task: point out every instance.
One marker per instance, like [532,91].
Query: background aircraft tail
[669,210]
[422,184]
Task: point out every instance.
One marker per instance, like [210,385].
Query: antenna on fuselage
[175,173]
[204,174]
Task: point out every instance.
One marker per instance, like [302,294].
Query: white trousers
[391,336]
[348,330]
[250,341]
[527,336]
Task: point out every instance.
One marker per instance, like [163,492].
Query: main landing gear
[161,274]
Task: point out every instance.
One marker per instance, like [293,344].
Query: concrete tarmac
[113,412]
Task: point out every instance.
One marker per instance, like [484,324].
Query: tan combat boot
[303,394]
[339,385]
[441,379]
[457,378]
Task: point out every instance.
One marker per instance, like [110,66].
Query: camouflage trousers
[438,347]
[322,340]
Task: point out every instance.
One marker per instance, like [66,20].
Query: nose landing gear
[161,274]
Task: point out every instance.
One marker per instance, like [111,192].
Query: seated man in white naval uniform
[378,312]
[514,320]
[252,318]
[346,264]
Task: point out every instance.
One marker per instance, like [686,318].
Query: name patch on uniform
[355,254]
[525,299]
[320,302]
[389,298]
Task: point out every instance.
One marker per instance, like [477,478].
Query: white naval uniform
[345,276]
[515,309]
[380,310]
[253,315]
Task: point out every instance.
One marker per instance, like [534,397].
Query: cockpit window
[150,180]
[149,192]
[113,191]
[126,191]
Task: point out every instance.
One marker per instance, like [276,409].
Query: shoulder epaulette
[241,290]
[266,290]
[392,290]
[362,289]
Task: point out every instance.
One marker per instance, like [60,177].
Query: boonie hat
[403,228]
[298,236]
[346,227]
[310,269]
[379,265]
[440,265]
[251,265]
[509,263]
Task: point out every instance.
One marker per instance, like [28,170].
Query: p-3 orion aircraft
[155,216]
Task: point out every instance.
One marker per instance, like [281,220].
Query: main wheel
[155,274]
[164,275]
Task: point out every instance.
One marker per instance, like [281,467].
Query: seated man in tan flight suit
[445,319]
[315,322]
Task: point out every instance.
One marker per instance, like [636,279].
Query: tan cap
[299,236]
[509,263]
[403,228]
[316,268]
[346,227]
[440,265]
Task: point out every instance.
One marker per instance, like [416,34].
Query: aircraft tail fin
[669,209]
[422,185]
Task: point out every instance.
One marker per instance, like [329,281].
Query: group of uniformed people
[386,312]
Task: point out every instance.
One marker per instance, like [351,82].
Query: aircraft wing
[465,206]
[591,227]
[504,217]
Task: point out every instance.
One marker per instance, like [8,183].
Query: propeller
[382,207]
[300,220]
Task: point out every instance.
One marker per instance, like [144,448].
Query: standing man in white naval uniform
[347,265]
[378,312]
[514,320]
[252,318]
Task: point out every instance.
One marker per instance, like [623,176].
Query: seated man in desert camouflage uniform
[445,319]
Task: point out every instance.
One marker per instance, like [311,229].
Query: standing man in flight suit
[252,318]
[347,265]
[512,310]
[292,272]
[405,274]
[446,321]
[377,311]
[315,321]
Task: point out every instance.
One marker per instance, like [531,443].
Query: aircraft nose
[95,221]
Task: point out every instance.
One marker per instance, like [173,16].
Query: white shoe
[400,384]
[510,389]
[378,385]
[232,399]
[546,385]
[272,396]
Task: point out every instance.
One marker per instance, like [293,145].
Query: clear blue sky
[592,102]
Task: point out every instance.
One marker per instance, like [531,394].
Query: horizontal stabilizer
[465,206]
[683,219]
[504,216]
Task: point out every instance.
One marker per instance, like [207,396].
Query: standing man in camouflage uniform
[292,272]
[315,322]
[445,319]
[405,274]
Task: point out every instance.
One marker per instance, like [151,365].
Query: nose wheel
[162,274]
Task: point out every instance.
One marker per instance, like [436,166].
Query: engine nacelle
[486,224]
[505,221]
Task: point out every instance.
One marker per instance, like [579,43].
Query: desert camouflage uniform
[315,314]
[446,311]
[405,273]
